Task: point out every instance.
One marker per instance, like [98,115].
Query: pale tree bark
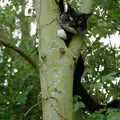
[56,63]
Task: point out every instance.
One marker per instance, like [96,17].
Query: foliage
[97,117]
[110,114]
[113,115]
[105,20]
[19,81]
[77,105]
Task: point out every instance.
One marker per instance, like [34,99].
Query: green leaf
[78,106]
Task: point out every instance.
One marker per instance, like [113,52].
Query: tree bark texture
[56,63]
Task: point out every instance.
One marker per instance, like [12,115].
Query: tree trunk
[56,63]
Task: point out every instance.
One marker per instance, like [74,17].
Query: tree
[56,62]
[19,81]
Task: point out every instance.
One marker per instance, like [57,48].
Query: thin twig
[60,114]
[48,23]
[26,113]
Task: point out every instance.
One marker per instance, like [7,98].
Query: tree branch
[19,51]
[77,44]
